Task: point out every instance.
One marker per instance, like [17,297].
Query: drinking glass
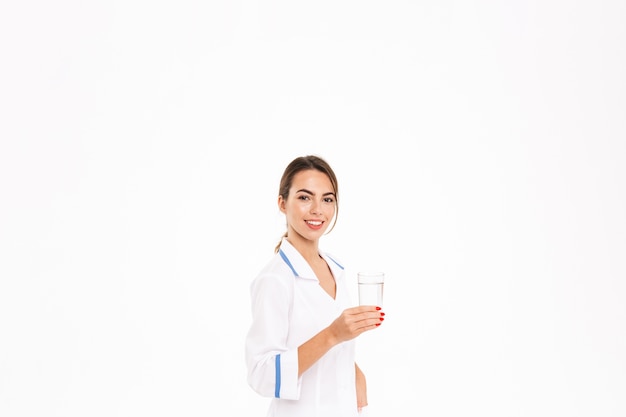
[371,288]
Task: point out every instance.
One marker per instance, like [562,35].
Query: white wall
[480,148]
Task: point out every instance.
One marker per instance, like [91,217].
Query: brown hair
[303,163]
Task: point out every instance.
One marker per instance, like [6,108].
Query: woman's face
[310,206]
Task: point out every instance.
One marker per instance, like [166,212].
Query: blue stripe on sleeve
[277,388]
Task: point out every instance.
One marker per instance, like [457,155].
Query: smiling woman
[300,349]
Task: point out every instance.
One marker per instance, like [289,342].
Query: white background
[480,148]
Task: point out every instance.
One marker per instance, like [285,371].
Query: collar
[300,267]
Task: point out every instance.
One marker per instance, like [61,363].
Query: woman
[300,346]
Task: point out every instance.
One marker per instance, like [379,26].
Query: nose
[316,207]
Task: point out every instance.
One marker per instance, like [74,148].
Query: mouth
[314,223]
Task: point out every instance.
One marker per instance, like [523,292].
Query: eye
[329,200]
[303,197]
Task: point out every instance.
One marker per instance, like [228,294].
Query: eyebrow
[304,190]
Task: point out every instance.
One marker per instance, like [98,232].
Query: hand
[354,321]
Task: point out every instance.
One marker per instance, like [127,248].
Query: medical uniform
[288,308]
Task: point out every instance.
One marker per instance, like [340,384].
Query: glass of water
[371,288]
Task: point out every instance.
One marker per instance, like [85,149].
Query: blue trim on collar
[337,263]
[282,255]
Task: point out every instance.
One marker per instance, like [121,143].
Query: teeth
[314,223]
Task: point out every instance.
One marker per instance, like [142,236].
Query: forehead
[312,179]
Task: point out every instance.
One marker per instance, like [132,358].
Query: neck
[308,248]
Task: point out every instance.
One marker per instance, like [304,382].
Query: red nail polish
[378,324]
[378,308]
[381,319]
[382,314]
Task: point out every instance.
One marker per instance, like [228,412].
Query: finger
[363,309]
[369,315]
[368,323]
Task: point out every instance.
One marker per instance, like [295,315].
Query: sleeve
[272,365]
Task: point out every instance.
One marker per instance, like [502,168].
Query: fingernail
[381,319]
[378,324]
[378,308]
[382,314]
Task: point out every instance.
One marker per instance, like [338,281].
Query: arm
[351,323]
[361,388]
[272,364]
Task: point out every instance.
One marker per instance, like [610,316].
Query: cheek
[296,209]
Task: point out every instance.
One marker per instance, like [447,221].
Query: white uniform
[288,308]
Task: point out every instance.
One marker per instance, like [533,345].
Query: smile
[314,223]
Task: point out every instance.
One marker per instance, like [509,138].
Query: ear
[281,204]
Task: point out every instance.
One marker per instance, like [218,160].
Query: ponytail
[277,248]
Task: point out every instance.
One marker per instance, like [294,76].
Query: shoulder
[276,265]
[275,272]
